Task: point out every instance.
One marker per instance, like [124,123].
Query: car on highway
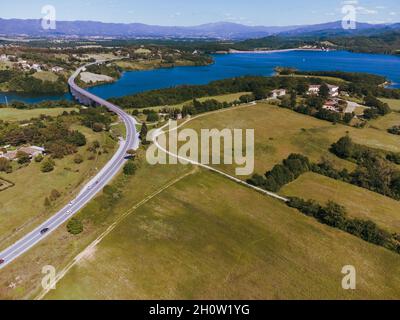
[68,212]
[45,230]
[2,261]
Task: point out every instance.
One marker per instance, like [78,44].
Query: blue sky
[194,12]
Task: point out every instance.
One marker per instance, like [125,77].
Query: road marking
[89,191]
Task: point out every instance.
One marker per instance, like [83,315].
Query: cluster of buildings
[31,151]
[24,65]
[333,90]
[334,103]
[5,57]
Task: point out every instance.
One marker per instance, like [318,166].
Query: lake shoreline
[233,65]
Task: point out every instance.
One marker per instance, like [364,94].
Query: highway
[110,170]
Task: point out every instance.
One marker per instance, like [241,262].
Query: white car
[69,212]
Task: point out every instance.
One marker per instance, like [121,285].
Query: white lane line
[99,181]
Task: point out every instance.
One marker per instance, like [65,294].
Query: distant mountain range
[220,30]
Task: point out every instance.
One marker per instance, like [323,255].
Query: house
[10,155]
[278,93]
[331,105]
[31,151]
[314,89]
[3,57]
[57,69]
[333,90]
[36,67]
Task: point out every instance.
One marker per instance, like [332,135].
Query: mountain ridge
[217,30]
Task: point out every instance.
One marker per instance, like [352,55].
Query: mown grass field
[12,114]
[360,203]
[22,206]
[280,132]
[188,244]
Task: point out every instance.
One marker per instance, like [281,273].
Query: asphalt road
[110,170]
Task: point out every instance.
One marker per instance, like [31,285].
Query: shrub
[54,195]
[39,158]
[78,159]
[130,169]
[75,226]
[23,157]
[47,165]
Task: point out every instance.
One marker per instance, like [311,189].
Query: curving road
[110,170]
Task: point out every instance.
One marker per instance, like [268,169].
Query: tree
[343,148]
[348,117]
[152,117]
[23,157]
[76,138]
[5,165]
[47,165]
[75,226]
[130,168]
[143,133]
[293,99]
[324,91]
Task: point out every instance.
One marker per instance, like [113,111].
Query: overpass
[104,176]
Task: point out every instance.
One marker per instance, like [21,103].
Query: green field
[360,203]
[221,98]
[188,244]
[22,206]
[280,132]
[11,114]
[386,122]
[393,103]
[46,76]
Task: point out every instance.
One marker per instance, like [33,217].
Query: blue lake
[233,65]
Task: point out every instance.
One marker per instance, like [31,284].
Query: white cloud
[366,11]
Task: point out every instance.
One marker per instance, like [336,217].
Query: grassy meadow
[12,114]
[188,244]
[280,132]
[360,203]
